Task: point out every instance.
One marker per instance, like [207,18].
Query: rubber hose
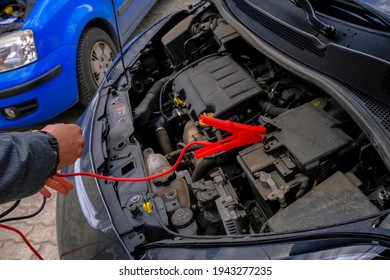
[145,109]
[271,109]
[290,94]
[163,139]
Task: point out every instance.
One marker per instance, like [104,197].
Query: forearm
[27,160]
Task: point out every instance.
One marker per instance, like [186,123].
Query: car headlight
[17,49]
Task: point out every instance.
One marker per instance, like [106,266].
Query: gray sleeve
[27,160]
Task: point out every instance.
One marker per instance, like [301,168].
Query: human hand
[70,142]
[60,184]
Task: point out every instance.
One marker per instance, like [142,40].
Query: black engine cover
[218,85]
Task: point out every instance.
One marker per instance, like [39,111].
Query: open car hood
[319,165]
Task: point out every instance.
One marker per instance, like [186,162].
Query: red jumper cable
[242,134]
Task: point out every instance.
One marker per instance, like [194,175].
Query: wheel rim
[101,58]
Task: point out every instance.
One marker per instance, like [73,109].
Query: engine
[315,167]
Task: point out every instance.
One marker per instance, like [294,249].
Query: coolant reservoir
[172,189]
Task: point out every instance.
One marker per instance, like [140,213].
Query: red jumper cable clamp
[243,134]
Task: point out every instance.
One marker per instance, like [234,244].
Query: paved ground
[41,230]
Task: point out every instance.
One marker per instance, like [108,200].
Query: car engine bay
[12,14]
[316,168]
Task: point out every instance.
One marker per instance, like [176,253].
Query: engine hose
[163,139]
[271,109]
[150,102]
[202,167]
[162,136]
[289,94]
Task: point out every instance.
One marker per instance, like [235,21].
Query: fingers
[60,184]
[70,141]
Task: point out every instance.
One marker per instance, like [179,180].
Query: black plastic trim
[5,93]
[366,72]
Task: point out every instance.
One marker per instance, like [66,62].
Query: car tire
[95,53]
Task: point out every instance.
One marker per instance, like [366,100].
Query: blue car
[54,54]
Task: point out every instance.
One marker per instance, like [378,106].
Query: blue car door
[129,13]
